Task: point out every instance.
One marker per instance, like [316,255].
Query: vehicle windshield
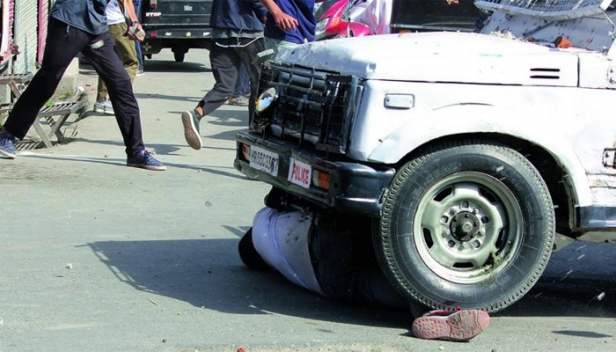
[422,15]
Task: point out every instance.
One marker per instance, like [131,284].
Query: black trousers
[226,56]
[345,263]
[63,44]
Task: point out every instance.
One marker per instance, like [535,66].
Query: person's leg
[242,87]
[141,69]
[224,61]
[241,93]
[345,262]
[63,44]
[225,66]
[137,6]
[109,67]
[249,255]
[101,91]
[251,60]
[125,49]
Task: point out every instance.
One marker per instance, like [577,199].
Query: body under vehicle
[476,155]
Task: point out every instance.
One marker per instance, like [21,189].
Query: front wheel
[467,225]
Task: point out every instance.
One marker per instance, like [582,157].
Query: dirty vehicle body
[476,155]
[176,25]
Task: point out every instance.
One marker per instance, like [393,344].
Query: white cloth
[114,13]
[282,241]
[376,14]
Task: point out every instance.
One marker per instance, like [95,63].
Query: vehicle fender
[465,118]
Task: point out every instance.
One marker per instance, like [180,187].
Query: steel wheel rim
[468,227]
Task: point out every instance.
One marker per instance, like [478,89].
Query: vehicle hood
[439,56]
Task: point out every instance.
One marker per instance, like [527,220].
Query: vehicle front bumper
[354,187]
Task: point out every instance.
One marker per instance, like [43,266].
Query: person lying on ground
[332,255]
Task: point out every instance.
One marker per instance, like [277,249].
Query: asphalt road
[96,256]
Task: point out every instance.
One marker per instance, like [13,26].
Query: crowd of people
[336,266]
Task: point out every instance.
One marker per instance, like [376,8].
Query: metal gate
[26,35]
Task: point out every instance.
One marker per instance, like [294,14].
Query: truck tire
[466,224]
[179,56]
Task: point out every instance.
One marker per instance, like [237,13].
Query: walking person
[237,33]
[141,70]
[125,49]
[332,255]
[80,26]
[241,95]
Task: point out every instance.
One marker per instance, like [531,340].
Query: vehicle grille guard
[312,106]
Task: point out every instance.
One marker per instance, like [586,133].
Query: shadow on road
[209,274]
[141,97]
[580,298]
[122,163]
[172,66]
[165,66]
[588,334]
[578,281]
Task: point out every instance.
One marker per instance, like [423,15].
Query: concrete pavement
[96,256]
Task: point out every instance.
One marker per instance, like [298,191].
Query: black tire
[179,57]
[249,255]
[468,224]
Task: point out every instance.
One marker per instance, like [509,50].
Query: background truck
[476,155]
[177,25]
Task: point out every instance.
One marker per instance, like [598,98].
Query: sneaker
[461,325]
[104,107]
[7,145]
[145,160]
[239,101]
[190,120]
[140,72]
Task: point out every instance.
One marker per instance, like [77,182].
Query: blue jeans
[242,86]
[137,5]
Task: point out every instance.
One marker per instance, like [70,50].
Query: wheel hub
[465,226]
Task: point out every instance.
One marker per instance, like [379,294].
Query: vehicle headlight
[266,99]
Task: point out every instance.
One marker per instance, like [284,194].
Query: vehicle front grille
[313,106]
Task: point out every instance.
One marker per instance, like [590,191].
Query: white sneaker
[104,107]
